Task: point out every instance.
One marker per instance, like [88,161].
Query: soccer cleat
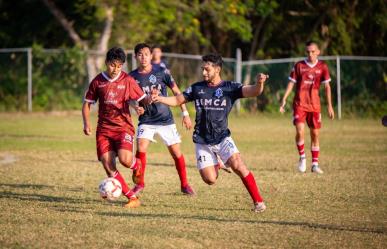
[302,165]
[137,189]
[187,190]
[133,202]
[316,169]
[259,207]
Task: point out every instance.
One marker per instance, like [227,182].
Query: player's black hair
[116,54]
[140,46]
[311,42]
[215,59]
[157,46]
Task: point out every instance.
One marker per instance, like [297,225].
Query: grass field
[49,199]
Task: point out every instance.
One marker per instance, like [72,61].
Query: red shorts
[313,119]
[113,141]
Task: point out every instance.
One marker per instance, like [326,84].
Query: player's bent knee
[209,181]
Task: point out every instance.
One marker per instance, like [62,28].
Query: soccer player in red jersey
[213,99]
[113,89]
[308,75]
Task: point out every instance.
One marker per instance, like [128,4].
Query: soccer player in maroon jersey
[308,75]
[213,99]
[113,89]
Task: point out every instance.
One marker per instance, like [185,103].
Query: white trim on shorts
[167,133]
[206,155]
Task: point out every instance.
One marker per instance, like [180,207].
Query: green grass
[49,197]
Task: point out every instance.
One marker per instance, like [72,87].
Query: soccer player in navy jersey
[213,99]
[113,89]
[157,61]
[157,118]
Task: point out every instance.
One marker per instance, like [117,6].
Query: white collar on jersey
[311,65]
[108,78]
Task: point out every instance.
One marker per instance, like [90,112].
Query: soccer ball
[110,188]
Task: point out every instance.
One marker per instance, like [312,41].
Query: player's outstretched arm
[257,88]
[170,101]
[86,118]
[328,94]
[289,89]
[186,119]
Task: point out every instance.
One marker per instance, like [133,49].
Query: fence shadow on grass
[331,227]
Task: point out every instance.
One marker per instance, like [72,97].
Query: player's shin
[125,189]
[181,170]
[139,176]
[251,186]
[315,153]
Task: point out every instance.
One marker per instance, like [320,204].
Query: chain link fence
[55,79]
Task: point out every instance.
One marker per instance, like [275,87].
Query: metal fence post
[238,74]
[29,69]
[134,62]
[338,76]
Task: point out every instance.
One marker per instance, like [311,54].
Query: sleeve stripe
[89,101]
[326,81]
[141,98]
[293,80]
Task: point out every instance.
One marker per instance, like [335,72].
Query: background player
[157,118]
[157,61]
[115,132]
[213,100]
[308,75]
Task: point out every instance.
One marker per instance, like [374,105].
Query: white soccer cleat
[259,207]
[302,165]
[316,169]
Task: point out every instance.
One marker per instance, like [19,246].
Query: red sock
[125,189]
[180,167]
[142,157]
[252,187]
[301,149]
[315,151]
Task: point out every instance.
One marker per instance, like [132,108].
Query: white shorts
[206,155]
[168,133]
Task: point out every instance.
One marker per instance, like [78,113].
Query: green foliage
[58,79]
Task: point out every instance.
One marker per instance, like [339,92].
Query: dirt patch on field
[7,159]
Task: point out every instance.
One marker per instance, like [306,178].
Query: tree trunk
[95,59]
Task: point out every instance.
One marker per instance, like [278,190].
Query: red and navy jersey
[155,113]
[113,96]
[213,105]
[308,79]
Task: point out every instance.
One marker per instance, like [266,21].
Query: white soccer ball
[110,188]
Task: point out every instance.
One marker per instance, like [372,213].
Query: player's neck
[311,62]
[146,69]
[215,82]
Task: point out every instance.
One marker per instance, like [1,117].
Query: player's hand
[139,110]
[282,107]
[155,94]
[186,122]
[261,78]
[331,112]
[87,129]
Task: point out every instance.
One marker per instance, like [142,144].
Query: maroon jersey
[308,79]
[113,96]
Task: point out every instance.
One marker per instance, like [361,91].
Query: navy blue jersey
[162,65]
[156,113]
[212,104]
